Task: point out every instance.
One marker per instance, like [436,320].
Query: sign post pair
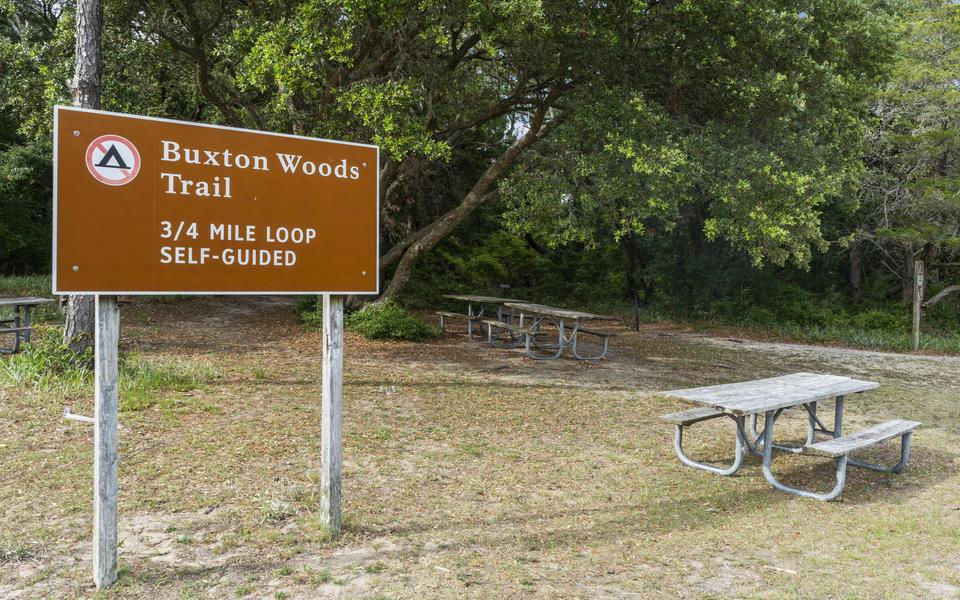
[147,206]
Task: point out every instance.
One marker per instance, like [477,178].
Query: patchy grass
[25,285]
[471,472]
[48,367]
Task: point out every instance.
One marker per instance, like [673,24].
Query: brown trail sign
[154,206]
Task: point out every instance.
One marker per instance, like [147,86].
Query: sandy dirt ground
[471,472]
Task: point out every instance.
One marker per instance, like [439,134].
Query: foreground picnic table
[771,397]
[477,308]
[534,316]
[19,324]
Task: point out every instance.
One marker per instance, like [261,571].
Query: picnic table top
[481,299]
[761,395]
[552,311]
[24,301]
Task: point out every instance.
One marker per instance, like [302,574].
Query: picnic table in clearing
[529,330]
[771,397]
[19,324]
[477,308]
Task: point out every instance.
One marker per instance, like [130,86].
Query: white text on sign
[232,232]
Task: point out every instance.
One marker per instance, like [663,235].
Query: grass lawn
[469,472]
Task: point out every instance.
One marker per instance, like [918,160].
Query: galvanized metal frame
[742,445]
[19,322]
[842,461]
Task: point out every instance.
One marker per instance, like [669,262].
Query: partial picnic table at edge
[19,324]
[771,397]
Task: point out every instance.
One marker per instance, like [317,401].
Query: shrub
[44,361]
[878,320]
[48,364]
[389,321]
[309,311]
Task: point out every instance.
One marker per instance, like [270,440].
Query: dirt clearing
[471,472]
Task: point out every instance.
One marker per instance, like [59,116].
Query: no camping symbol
[113,160]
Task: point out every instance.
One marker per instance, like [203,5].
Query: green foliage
[909,192]
[309,311]
[389,321]
[48,364]
[25,186]
[25,285]
[879,320]
[748,115]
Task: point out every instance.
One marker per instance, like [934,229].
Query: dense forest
[761,162]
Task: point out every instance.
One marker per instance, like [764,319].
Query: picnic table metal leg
[26,323]
[905,440]
[818,426]
[753,442]
[739,451]
[554,356]
[760,440]
[573,346]
[16,334]
[838,417]
[900,466]
[770,418]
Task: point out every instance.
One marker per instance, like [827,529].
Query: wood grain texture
[480,299]
[862,439]
[25,301]
[331,449]
[751,397]
[452,315]
[553,311]
[694,415]
[105,456]
[593,332]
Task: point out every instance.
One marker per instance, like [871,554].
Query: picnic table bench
[771,397]
[477,308]
[532,318]
[19,324]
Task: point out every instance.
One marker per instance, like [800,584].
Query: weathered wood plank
[599,333]
[552,311]
[862,439]
[331,450]
[452,315]
[694,415]
[749,397]
[105,455]
[25,301]
[481,299]
[512,327]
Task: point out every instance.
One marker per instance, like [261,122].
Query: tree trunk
[428,237]
[856,273]
[78,329]
[629,245]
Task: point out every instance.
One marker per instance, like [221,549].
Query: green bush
[47,364]
[389,321]
[878,320]
[309,311]
[45,361]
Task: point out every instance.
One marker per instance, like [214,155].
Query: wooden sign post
[105,454]
[918,279]
[154,206]
[331,455]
